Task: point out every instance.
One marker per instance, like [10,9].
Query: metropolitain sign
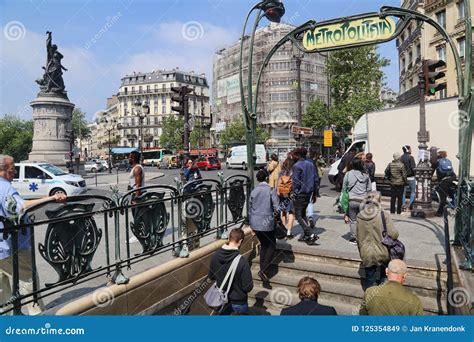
[345,33]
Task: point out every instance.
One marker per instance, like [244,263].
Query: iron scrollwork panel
[236,198]
[150,221]
[70,244]
[199,207]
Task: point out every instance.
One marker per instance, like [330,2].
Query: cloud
[92,76]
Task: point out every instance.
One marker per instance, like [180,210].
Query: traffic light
[181,98]
[431,75]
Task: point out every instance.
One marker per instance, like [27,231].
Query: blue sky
[102,40]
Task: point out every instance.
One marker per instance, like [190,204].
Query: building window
[163,87]
[461,13]
[410,57]
[403,63]
[441,51]
[163,109]
[418,50]
[155,109]
[441,18]
[461,47]
[125,89]
[140,89]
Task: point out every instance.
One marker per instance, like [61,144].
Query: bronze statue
[52,81]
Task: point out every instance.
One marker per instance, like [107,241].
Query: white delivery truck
[238,157]
[384,132]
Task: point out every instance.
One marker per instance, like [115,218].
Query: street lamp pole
[273,10]
[141,111]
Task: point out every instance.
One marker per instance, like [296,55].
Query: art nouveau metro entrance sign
[350,32]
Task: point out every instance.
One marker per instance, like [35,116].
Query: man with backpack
[445,176]
[242,283]
[397,176]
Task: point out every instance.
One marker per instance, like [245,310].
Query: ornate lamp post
[142,109]
[273,10]
[298,56]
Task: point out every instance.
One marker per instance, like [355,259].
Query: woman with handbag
[372,223]
[263,208]
[355,187]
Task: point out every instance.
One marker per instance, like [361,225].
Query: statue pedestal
[52,116]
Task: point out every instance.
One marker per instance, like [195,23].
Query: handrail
[75,232]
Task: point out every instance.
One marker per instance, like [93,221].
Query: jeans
[412,186]
[354,209]
[237,308]
[374,275]
[267,249]
[300,204]
[396,194]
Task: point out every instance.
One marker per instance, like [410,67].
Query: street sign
[301,130]
[350,32]
[327,138]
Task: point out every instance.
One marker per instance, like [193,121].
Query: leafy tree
[172,132]
[16,137]
[316,115]
[235,133]
[356,78]
[197,136]
[79,124]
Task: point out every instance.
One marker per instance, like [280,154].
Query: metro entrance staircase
[340,279]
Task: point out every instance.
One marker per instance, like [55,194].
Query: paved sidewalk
[105,180]
[423,238]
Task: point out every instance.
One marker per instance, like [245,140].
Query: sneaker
[289,236]
[353,241]
[311,240]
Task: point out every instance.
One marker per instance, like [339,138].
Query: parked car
[35,180]
[208,163]
[105,164]
[123,165]
[92,166]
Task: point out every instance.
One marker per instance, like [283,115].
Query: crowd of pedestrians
[288,190]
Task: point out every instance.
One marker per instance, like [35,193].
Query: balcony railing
[88,238]
[410,96]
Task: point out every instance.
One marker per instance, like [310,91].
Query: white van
[35,180]
[238,157]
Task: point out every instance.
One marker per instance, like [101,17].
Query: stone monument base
[52,116]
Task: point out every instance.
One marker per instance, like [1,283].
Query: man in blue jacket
[305,181]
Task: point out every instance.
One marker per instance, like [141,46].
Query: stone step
[300,251]
[284,285]
[350,275]
[262,297]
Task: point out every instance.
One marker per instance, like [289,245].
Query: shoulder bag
[216,297]
[396,248]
